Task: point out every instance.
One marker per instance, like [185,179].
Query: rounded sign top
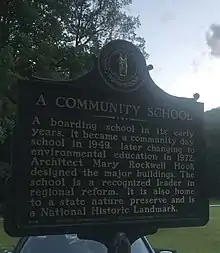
[122,65]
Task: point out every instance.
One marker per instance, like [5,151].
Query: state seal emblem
[122,65]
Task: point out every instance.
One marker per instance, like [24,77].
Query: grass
[214,202]
[191,240]
[6,242]
[184,240]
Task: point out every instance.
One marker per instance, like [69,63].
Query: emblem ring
[122,66]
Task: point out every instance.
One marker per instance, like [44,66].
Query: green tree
[55,39]
[212,130]
[4,175]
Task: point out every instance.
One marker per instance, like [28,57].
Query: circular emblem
[122,65]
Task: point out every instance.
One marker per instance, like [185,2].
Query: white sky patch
[205,81]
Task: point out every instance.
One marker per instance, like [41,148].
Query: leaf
[6,57]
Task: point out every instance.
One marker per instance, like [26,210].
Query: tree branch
[93,14]
[90,37]
[79,25]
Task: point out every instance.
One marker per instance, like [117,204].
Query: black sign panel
[89,154]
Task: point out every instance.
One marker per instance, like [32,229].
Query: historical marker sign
[109,149]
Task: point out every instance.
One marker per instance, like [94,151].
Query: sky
[176,35]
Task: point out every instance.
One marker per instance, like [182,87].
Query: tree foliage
[55,39]
[212,129]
